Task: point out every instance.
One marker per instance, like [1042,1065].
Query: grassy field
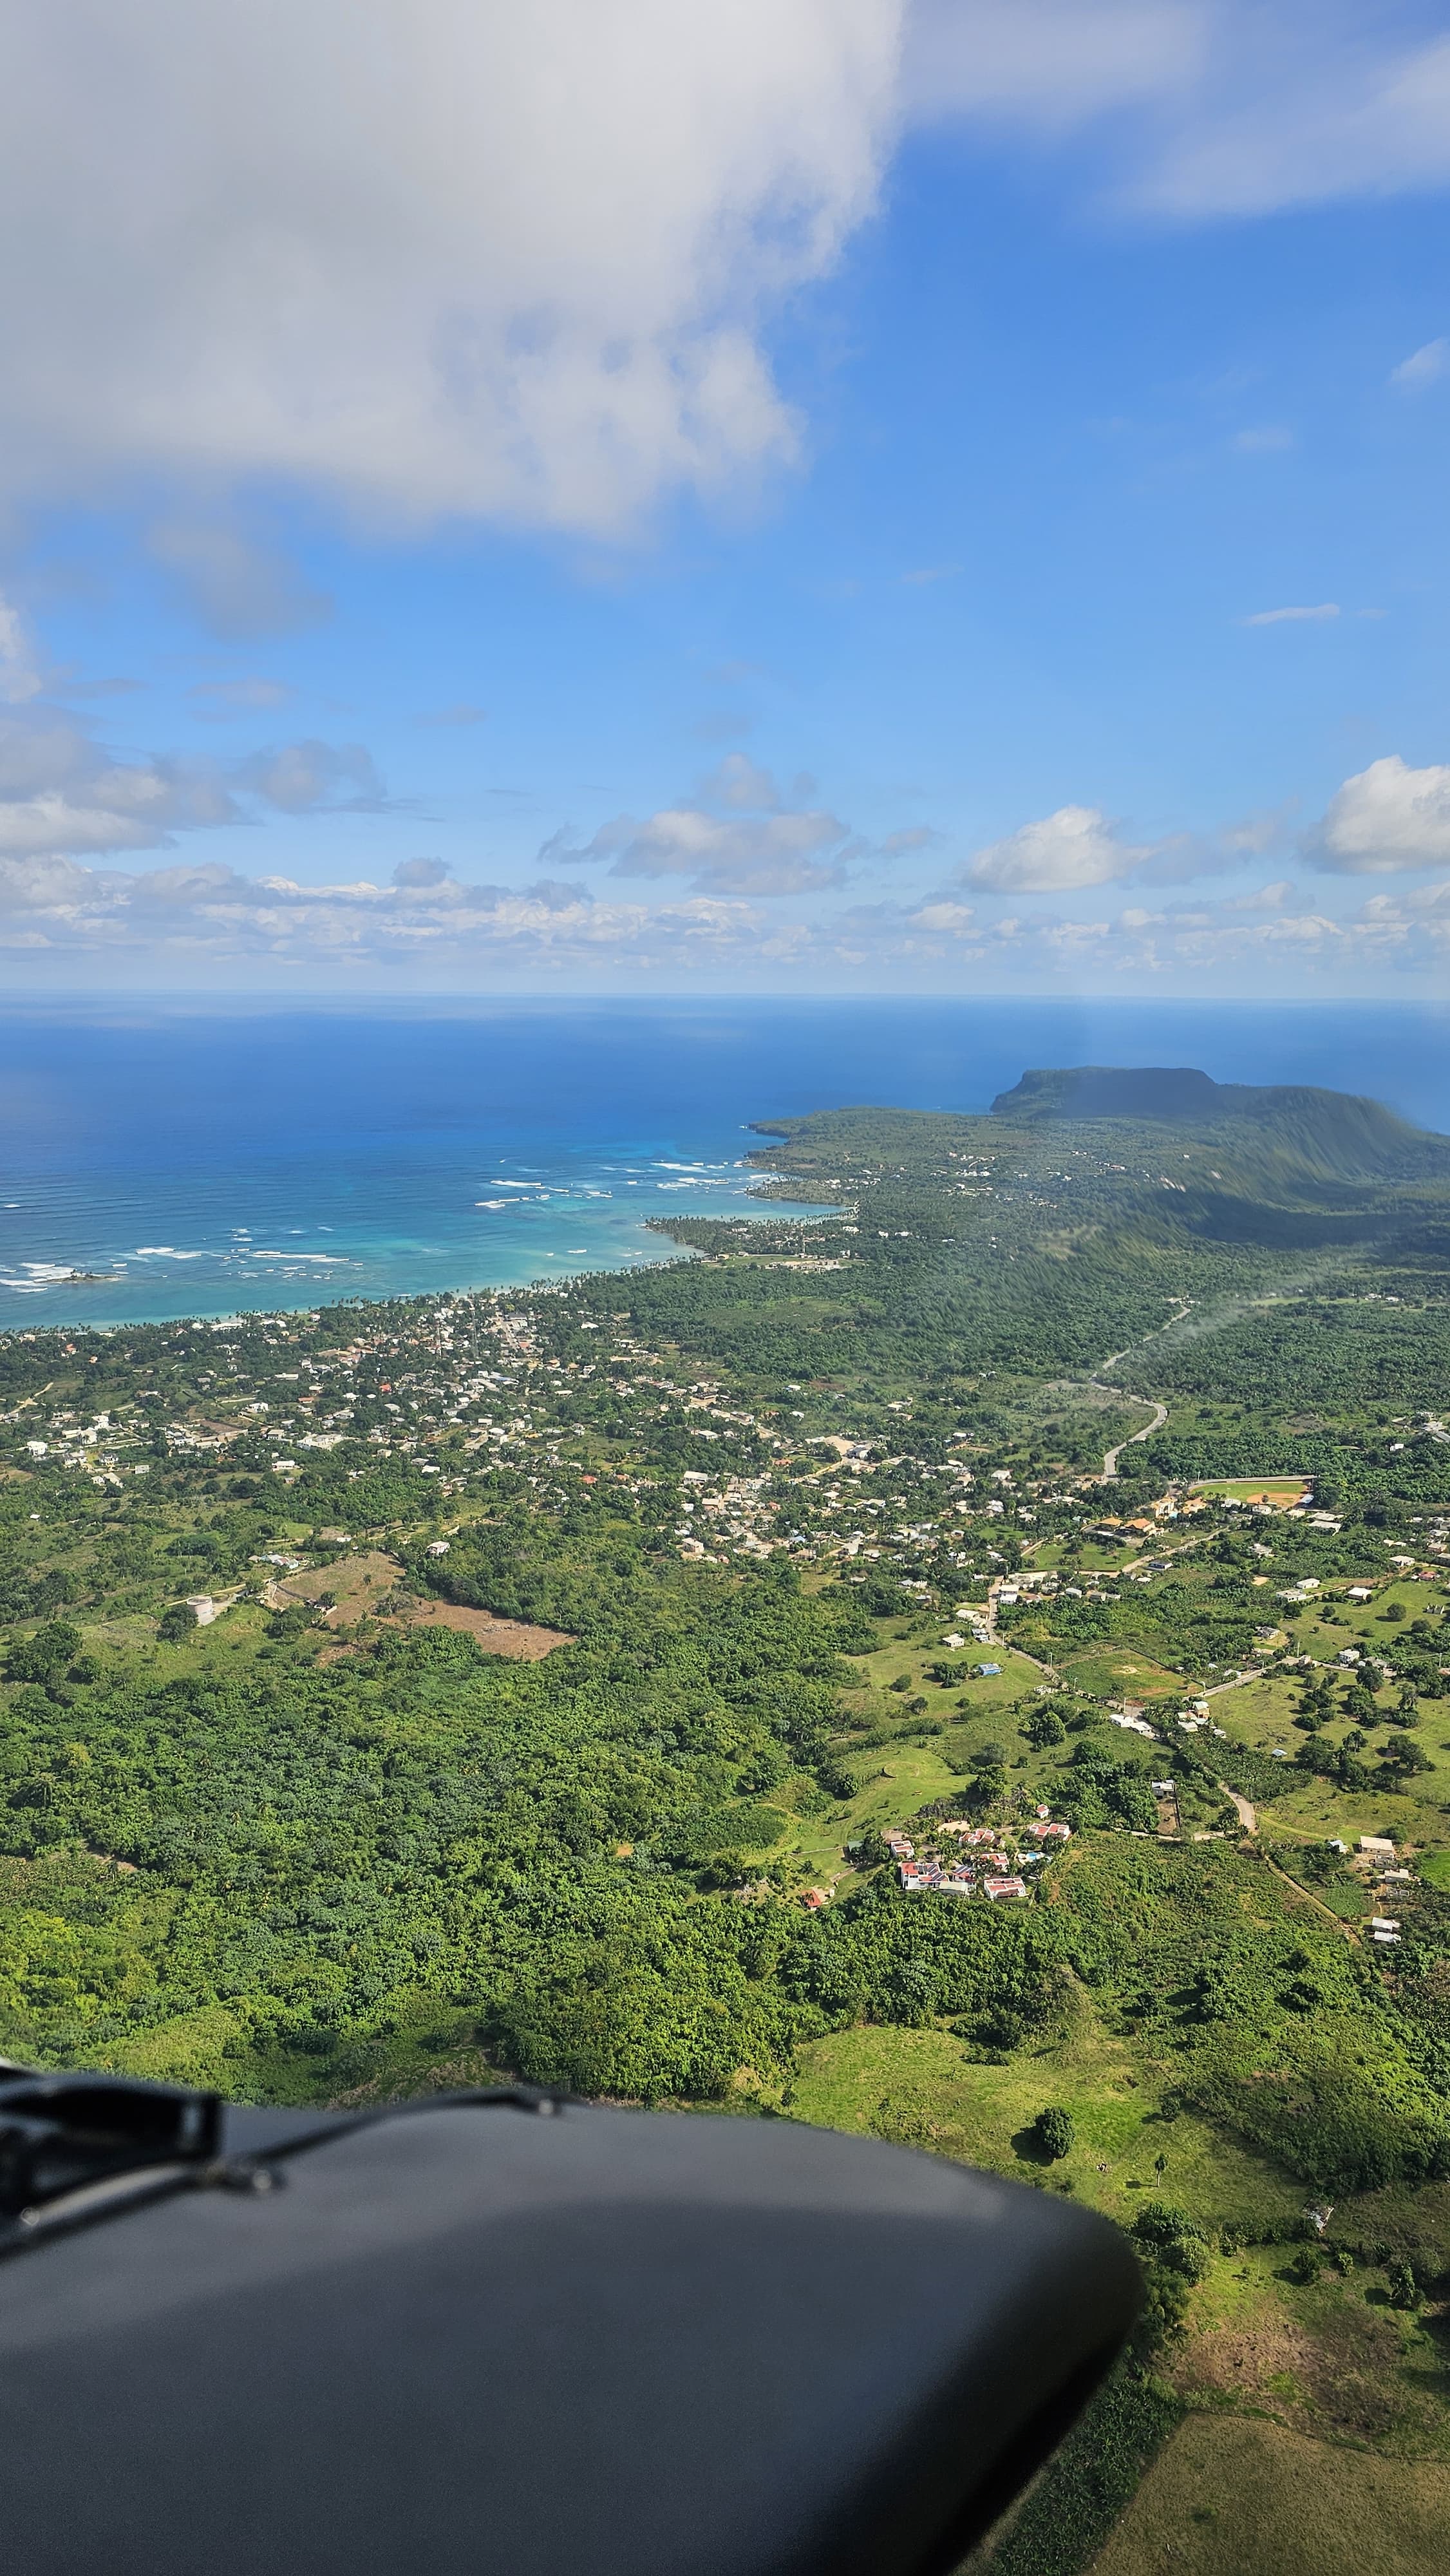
[899,1778]
[911,1653]
[1231,2496]
[1121,1672]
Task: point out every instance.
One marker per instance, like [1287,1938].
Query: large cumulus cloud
[456,256]
[439,255]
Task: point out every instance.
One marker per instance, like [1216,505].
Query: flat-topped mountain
[1337,1130]
[1116,1091]
[1179,1092]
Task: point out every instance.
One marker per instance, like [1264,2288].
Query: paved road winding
[1160,1411]
[1111,1456]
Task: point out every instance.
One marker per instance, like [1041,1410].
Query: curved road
[1160,1411]
[1111,1456]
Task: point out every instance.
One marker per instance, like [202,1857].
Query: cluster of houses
[1379,1860]
[979,1866]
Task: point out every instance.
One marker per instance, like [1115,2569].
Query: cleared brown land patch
[1271,2358]
[496,1636]
[1337,2369]
[358,1583]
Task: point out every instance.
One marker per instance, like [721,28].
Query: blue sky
[850,500]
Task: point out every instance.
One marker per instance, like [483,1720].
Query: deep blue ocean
[209,1159]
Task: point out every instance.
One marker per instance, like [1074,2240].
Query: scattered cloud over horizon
[751,872]
[1386,820]
[65,794]
[211,919]
[741,834]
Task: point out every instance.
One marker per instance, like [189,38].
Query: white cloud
[1386,818]
[737,781]
[1253,834]
[1050,63]
[1272,439]
[1293,616]
[1217,106]
[737,836]
[758,854]
[303,777]
[1270,898]
[446,257]
[1306,101]
[213,916]
[224,701]
[234,583]
[1424,367]
[63,792]
[19,675]
[958,920]
[1077,846]
[905,844]
[438,255]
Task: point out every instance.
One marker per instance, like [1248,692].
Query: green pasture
[922,2088]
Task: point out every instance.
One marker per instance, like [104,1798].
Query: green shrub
[1055,2134]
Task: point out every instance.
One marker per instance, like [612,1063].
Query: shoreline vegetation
[409,1693]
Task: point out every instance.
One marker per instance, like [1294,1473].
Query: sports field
[1284,1491]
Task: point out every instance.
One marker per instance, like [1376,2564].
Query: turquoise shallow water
[204,1161]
